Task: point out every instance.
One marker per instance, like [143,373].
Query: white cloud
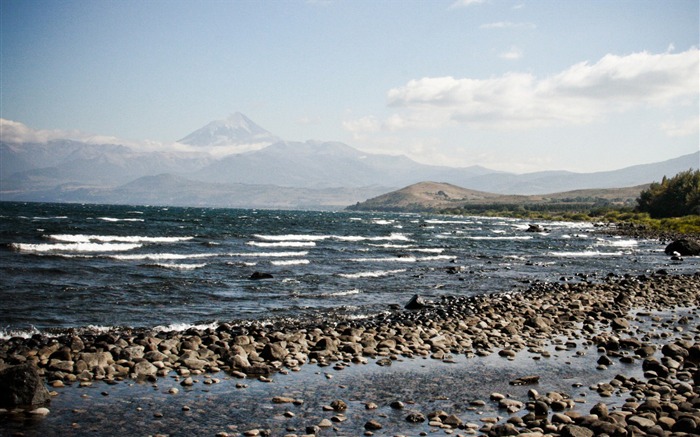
[465,3]
[507,25]
[684,128]
[579,94]
[15,132]
[362,125]
[513,54]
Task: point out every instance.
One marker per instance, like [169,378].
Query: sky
[512,85]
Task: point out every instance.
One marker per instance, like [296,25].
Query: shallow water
[424,385]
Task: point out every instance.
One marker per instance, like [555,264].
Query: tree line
[677,196]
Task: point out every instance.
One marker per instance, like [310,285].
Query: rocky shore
[600,314]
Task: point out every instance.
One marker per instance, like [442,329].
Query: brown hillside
[435,196]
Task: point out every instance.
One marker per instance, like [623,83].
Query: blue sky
[508,84]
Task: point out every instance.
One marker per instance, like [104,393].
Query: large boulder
[22,386]
[684,247]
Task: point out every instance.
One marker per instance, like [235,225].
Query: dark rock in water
[416,303]
[684,247]
[415,417]
[535,228]
[526,380]
[373,425]
[22,386]
[258,275]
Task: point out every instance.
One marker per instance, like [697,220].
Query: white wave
[291,262]
[282,244]
[114,219]
[448,222]
[179,327]
[394,236]
[382,222]
[435,258]
[373,274]
[345,292]
[180,266]
[58,217]
[403,259]
[21,333]
[585,253]
[617,243]
[429,250]
[74,247]
[273,254]
[483,237]
[80,238]
[163,256]
[392,246]
[291,237]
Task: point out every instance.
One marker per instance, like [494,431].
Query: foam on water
[180,266]
[74,247]
[114,219]
[79,238]
[293,262]
[372,274]
[282,244]
[585,253]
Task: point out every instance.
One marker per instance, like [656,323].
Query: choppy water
[64,265]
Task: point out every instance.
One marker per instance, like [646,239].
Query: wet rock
[526,380]
[22,385]
[373,425]
[339,405]
[415,417]
[416,303]
[260,275]
[684,247]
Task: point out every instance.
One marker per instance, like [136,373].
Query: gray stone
[22,385]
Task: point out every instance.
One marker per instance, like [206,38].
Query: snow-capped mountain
[235,134]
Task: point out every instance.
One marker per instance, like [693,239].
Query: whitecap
[80,238]
[180,266]
[291,237]
[273,254]
[74,247]
[282,244]
[179,327]
[585,253]
[372,274]
[403,259]
[114,219]
[163,256]
[617,243]
[483,237]
[291,262]
[344,293]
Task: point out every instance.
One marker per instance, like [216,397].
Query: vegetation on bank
[670,206]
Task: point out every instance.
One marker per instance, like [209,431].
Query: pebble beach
[616,356]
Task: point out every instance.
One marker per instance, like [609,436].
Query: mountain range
[236,163]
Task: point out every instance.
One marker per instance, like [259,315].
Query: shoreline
[545,319]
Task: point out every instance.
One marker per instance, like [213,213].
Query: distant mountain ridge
[235,154]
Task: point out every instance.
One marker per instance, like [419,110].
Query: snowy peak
[236,130]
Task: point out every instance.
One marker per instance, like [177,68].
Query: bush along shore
[598,314]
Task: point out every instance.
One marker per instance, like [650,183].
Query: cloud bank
[580,94]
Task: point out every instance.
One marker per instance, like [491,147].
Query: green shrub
[675,197]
